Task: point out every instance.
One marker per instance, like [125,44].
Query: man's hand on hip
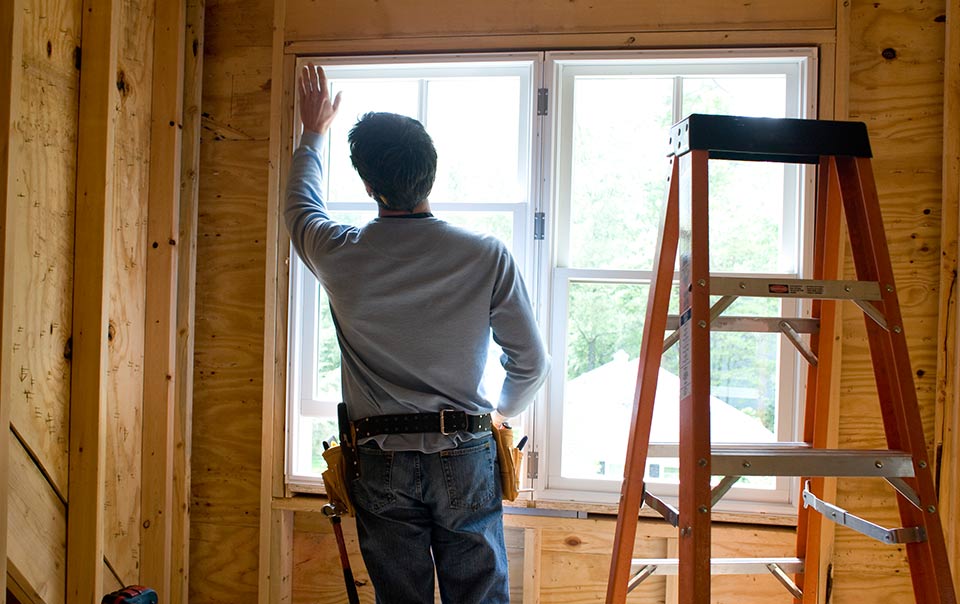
[316,110]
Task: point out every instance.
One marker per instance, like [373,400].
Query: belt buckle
[443,426]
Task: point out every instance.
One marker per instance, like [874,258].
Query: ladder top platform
[782,140]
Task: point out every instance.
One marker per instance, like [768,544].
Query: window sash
[799,67]
[304,298]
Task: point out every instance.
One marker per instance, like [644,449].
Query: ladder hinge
[533,465]
[539,224]
[543,97]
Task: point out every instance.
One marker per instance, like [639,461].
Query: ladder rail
[654,327]
[694,230]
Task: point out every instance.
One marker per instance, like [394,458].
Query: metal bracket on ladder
[912,534]
[780,568]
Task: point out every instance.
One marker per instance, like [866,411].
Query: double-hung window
[563,157]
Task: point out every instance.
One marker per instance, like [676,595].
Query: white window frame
[543,262]
[560,69]
[303,296]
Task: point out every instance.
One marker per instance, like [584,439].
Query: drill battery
[132,594]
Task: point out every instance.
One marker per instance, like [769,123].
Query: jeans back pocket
[470,475]
[372,490]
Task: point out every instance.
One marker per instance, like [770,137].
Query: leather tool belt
[447,421]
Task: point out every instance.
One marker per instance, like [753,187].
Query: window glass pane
[603,342]
[498,224]
[749,95]
[746,217]
[619,169]
[359,97]
[475,125]
[327,385]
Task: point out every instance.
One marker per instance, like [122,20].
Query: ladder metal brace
[669,513]
[911,534]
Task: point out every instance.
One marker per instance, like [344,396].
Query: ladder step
[754,324]
[721,566]
[770,287]
[799,459]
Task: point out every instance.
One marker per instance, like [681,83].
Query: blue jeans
[417,512]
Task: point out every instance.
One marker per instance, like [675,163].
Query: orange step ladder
[845,187]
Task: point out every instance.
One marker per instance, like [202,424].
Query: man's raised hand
[316,110]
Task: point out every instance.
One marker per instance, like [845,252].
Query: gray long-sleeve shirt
[414,301]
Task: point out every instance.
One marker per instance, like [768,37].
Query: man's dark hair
[395,156]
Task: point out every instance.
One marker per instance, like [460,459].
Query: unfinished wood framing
[948,330]
[186,295]
[37,541]
[370,19]
[127,286]
[160,345]
[276,526]
[11,49]
[623,41]
[94,225]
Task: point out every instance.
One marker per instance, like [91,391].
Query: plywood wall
[228,381]
[896,87]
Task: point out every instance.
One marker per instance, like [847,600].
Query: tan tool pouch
[335,480]
[508,457]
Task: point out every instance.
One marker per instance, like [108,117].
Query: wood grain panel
[230,281]
[93,260]
[160,312]
[37,537]
[186,299]
[948,397]
[127,283]
[229,331]
[225,556]
[234,24]
[309,19]
[11,72]
[896,88]
[42,230]
[236,94]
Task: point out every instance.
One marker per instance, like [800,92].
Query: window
[578,143]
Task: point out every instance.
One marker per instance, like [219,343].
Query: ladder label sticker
[792,289]
[685,336]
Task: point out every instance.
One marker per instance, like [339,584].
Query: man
[414,300]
